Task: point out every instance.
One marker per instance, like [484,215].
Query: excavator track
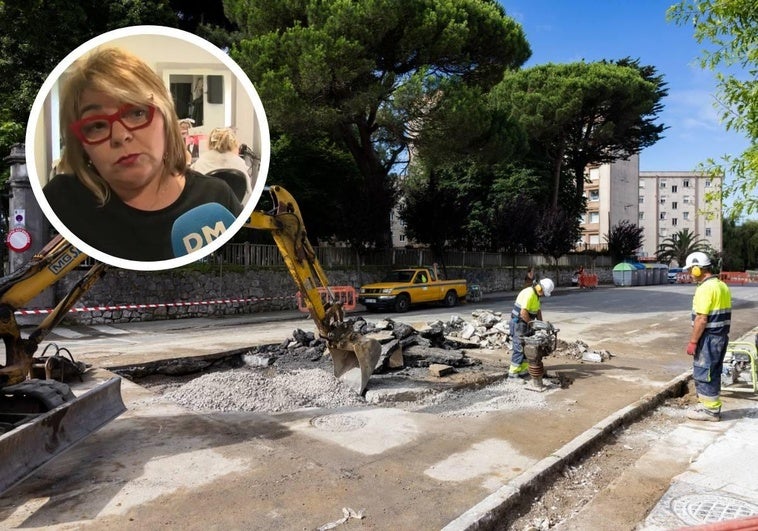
[44,418]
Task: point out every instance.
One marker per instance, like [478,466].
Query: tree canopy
[729,31]
[578,114]
[346,68]
[624,239]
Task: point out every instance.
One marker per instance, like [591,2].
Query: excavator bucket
[355,360]
[32,443]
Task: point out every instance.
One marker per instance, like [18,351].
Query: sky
[564,31]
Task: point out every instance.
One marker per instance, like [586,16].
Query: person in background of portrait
[529,277]
[223,153]
[127,190]
[185,124]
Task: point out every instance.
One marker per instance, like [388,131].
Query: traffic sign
[18,240]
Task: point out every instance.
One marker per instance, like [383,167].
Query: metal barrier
[683,277]
[587,280]
[735,277]
[344,294]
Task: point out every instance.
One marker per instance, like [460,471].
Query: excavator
[40,416]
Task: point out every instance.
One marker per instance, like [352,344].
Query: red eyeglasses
[98,128]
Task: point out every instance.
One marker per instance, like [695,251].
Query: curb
[490,512]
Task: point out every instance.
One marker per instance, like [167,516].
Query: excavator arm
[354,355]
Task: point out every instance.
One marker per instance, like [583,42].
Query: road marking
[631,332]
[110,330]
[67,333]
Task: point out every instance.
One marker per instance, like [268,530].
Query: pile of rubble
[441,343]
[402,346]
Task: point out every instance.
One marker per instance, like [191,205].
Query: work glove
[691,347]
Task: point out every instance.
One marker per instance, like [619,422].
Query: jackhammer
[541,341]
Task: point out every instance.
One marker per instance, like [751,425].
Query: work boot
[704,414]
[519,371]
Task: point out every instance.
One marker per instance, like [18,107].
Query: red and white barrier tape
[152,306]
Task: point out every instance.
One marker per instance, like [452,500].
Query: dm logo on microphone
[198,227]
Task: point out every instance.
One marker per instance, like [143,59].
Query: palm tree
[679,245]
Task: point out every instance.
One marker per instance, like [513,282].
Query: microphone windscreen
[198,227]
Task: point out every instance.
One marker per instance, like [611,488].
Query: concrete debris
[580,351]
[347,513]
[439,370]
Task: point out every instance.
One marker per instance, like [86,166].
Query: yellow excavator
[40,416]
[354,355]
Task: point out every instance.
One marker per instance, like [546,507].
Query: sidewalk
[720,483]
[717,490]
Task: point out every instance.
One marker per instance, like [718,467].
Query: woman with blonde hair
[128,180]
[223,154]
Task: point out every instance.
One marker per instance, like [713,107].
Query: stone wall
[184,293]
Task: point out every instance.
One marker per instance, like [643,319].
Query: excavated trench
[453,368]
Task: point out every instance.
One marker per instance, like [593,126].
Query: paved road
[159,466]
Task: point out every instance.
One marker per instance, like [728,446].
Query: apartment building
[611,197]
[671,201]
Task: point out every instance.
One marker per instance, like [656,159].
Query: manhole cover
[695,509]
[338,422]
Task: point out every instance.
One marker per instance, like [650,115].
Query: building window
[673,205]
[707,231]
[641,216]
[642,184]
[674,188]
[594,174]
[594,217]
[594,195]
[686,215]
[402,237]
[594,239]
[662,215]
[642,199]
[707,183]
[663,184]
[674,222]
[686,199]
[663,200]
[686,183]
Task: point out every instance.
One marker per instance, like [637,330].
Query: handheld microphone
[198,227]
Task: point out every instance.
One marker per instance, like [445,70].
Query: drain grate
[338,422]
[695,509]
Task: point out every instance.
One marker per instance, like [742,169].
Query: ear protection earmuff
[696,271]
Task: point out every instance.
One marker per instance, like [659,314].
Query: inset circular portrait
[147,148]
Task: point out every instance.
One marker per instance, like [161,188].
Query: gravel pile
[253,390]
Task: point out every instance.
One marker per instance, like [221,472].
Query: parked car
[672,274]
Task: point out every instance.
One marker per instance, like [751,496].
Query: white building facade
[671,201]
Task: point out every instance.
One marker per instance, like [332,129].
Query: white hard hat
[547,286]
[697,259]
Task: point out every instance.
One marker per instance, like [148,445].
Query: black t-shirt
[125,232]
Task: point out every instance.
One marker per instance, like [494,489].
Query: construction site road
[160,466]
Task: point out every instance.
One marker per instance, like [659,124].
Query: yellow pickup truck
[403,287]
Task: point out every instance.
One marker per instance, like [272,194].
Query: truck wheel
[451,299]
[402,303]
